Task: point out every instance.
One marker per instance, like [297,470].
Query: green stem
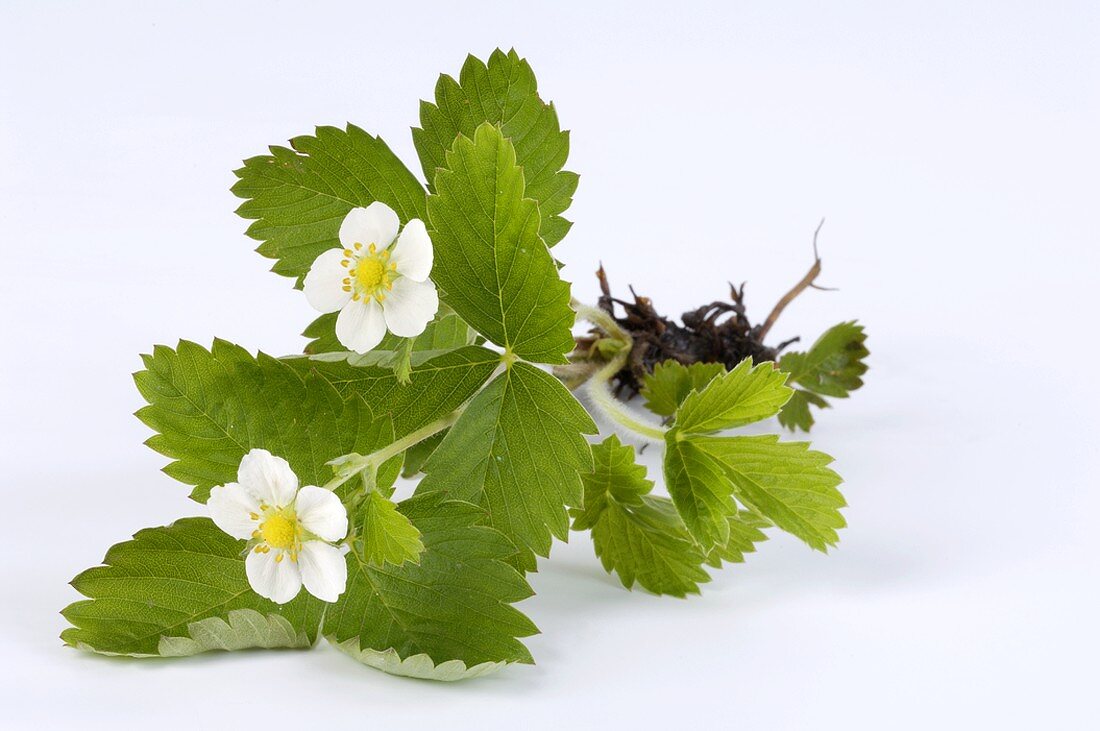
[354,465]
[598,388]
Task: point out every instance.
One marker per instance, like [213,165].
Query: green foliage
[180,590]
[490,263]
[796,413]
[210,407]
[636,535]
[742,396]
[504,93]
[384,534]
[746,530]
[299,196]
[700,491]
[517,451]
[786,482]
[436,387]
[833,366]
[453,605]
[671,382]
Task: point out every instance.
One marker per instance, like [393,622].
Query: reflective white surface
[954,152]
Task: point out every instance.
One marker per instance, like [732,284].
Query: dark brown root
[719,332]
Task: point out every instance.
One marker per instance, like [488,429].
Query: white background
[953,148]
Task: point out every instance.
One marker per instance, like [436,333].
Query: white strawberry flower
[375,286]
[291,531]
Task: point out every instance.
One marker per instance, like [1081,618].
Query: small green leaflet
[436,387]
[700,491]
[786,482]
[502,92]
[742,396]
[299,196]
[385,535]
[180,590]
[452,606]
[833,366]
[746,530]
[210,407]
[796,413]
[517,451]
[671,382]
[636,535]
[491,265]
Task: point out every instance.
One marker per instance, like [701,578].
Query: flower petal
[360,325]
[268,478]
[376,224]
[277,580]
[410,306]
[324,570]
[324,285]
[232,508]
[413,253]
[321,513]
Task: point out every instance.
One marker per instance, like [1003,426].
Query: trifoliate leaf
[746,530]
[181,590]
[833,366]
[384,534]
[786,482]
[491,265]
[502,92]
[517,450]
[638,536]
[299,196]
[671,382]
[454,606]
[796,413]
[742,396]
[436,387]
[210,407]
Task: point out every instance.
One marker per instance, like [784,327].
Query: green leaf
[491,265]
[436,387]
[671,382]
[636,535]
[502,92]
[785,482]
[517,450]
[181,590]
[699,489]
[299,196]
[796,413]
[833,366]
[210,407]
[385,535]
[418,454]
[746,530]
[742,396]
[448,615]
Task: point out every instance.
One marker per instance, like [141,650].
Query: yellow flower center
[279,531]
[371,273]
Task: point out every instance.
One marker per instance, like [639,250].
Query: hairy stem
[598,386]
